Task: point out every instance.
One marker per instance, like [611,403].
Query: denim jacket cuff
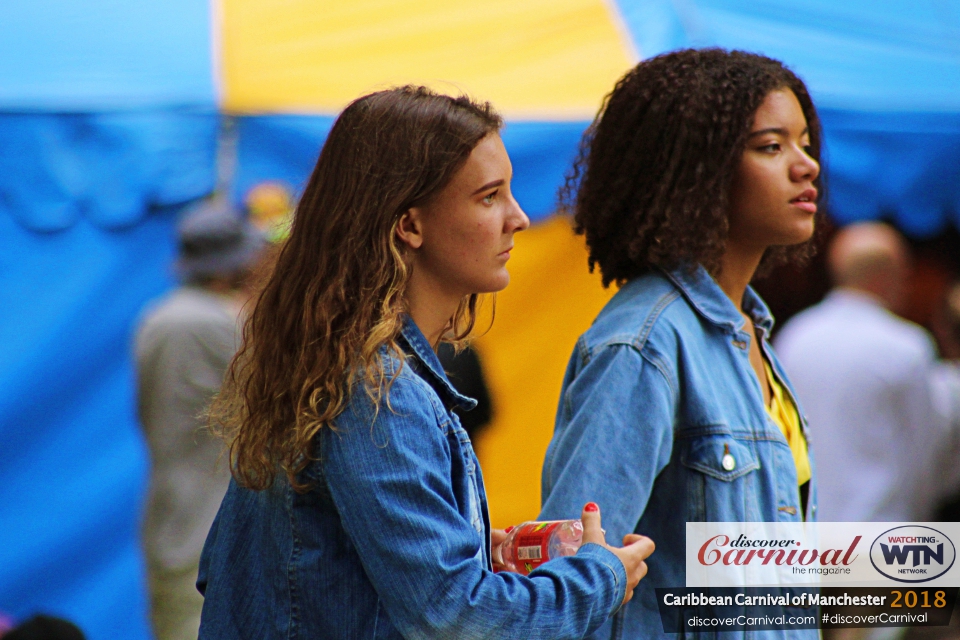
[608,559]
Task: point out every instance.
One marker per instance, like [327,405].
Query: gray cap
[216,240]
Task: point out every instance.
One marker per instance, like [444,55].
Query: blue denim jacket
[392,540]
[655,391]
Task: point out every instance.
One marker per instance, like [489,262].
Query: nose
[805,168]
[517,220]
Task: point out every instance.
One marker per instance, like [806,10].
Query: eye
[773,147]
[490,197]
[808,149]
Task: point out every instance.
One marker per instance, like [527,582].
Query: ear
[410,228]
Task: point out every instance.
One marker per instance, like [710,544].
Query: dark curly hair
[651,185]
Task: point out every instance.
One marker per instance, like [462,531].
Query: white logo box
[812,554]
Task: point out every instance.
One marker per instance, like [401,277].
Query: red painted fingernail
[591,506]
[508,529]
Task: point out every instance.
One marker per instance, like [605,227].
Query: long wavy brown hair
[336,293]
[652,183]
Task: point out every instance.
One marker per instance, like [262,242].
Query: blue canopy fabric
[893,55]
[901,165]
[75,56]
[109,168]
[108,124]
[280,147]
[74,467]
[88,206]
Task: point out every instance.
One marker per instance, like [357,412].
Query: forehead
[487,162]
[779,109]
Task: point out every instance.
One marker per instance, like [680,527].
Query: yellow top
[784,414]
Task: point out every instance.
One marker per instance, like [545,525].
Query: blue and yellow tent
[113,115]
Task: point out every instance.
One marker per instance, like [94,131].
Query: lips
[806,201]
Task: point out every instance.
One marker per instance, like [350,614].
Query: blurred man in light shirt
[883,412]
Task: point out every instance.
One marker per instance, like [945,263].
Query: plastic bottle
[530,544]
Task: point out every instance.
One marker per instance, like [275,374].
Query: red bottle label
[532,545]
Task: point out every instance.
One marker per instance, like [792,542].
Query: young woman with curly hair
[357,509]
[701,170]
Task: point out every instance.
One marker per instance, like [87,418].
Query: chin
[495,284]
[807,235]
[798,235]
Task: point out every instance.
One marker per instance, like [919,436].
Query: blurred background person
[184,343]
[881,408]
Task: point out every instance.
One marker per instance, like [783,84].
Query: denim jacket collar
[415,345]
[706,296]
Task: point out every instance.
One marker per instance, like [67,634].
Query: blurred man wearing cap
[882,419]
[183,346]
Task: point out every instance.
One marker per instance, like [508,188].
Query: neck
[737,269]
[430,308]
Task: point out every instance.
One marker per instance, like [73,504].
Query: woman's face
[773,200]
[466,231]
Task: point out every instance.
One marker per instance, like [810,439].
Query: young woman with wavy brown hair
[357,508]
[701,170]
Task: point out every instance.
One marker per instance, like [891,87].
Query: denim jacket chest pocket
[721,475]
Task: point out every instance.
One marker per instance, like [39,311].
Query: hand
[497,536]
[635,550]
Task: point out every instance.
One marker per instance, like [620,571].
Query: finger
[592,532]
[627,598]
[497,536]
[643,546]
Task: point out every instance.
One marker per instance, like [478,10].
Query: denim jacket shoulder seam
[664,371]
[583,350]
[639,340]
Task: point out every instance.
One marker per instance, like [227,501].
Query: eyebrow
[489,185]
[779,131]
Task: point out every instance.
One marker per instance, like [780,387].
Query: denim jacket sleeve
[614,435]
[389,477]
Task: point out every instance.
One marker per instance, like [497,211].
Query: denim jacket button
[728,463]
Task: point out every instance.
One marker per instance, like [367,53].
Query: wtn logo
[900,554]
[912,554]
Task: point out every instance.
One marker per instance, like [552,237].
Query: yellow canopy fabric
[534,59]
